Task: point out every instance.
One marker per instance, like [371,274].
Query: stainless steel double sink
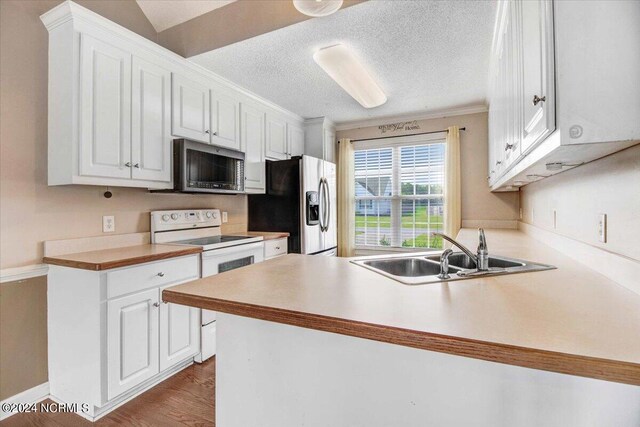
[423,269]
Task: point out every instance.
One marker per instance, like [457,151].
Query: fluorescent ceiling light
[317,7]
[342,66]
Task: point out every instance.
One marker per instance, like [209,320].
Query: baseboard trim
[23,273]
[33,395]
[510,224]
[622,270]
[131,394]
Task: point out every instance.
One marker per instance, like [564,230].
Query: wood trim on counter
[111,260]
[590,367]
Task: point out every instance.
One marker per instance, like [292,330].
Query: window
[399,194]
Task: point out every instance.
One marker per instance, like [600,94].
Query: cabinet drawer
[154,274]
[274,248]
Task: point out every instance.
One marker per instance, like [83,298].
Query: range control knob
[215,214]
[165,217]
[209,214]
[174,216]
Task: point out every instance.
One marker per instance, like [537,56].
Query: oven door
[220,260]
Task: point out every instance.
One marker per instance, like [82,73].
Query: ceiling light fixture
[342,66]
[317,7]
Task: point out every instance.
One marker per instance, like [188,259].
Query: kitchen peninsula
[321,341]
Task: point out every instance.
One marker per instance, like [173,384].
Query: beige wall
[607,186]
[30,211]
[23,335]
[478,203]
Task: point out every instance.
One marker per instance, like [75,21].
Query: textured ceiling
[165,14]
[426,56]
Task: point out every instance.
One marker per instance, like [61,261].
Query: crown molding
[437,114]
[79,15]
[23,273]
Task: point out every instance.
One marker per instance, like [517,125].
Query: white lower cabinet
[110,334]
[132,329]
[179,333]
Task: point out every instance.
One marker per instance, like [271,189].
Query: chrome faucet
[481,259]
[444,265]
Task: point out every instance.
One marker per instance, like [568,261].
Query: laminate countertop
[269,235]
[120,257]
[569,320]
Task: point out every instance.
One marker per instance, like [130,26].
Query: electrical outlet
[555,219]
[602,228]
[533,216]
[225,218]
[108,224]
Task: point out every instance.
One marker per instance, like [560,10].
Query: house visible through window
[399,195]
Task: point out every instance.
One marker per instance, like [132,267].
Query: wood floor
[187,398]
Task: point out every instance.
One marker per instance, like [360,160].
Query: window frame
[396,197]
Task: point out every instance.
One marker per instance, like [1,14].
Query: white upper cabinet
[320,139]
[548,107]
[105,93]
[191,109]
[276,145]
[225,121]
[295,138]
[150,121]
[117,101]
[253,143]
[538,98]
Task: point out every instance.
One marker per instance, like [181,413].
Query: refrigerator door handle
[321,204]
[328,204]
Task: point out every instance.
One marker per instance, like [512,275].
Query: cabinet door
[329,146]
[132,340]
[276,146]
[225,121]
[253,139]
[105,110]
[537,71]
[296,140]
[190,109]
[150,122]
[179,333]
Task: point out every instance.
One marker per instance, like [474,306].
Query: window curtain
[346,199]
[452,192]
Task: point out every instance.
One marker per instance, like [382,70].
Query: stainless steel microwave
[205,168]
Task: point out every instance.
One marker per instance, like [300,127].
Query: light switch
[224,217]
[108,224]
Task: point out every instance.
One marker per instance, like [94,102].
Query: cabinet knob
[277,247]
[137,165]
[498,162]
[156,304]
[161,274]
[206,131]
[128,164]
[537,99]
[508,146]
[215,133]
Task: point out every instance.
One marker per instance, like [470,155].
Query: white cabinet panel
[295,140]
[276,146]
[225,121]
[132,339]
[179,333]
[105,91]
[537,71]
[190,109]
[329,146]
[150,121]
[253,140]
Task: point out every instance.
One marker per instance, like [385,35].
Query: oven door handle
[233,249]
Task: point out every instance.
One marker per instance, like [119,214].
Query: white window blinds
[399,195]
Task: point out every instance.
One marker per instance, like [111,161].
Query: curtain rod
[400,136]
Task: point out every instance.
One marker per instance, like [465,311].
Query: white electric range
[220,253]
